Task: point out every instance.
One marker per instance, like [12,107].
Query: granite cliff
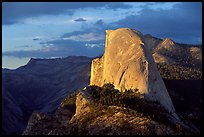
[127,63]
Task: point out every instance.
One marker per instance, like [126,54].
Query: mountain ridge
[41,85]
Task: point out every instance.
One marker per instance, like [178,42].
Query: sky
[61,29]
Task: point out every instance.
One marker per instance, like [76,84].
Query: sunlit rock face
[196,53]
[128,64]
[168,45]
[82,104]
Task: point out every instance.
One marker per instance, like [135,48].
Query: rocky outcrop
[118,121]
[151,41]
[196,53]
[168,45]
[159,58]
[128,64]
[82,104]
[90,120]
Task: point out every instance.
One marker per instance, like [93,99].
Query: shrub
[69,102]
[108,96]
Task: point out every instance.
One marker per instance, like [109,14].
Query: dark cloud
[116,5]
[35,39]
[97,31]
[79,20]
[26,46]
[99,23]
[183,23]
[42,43]
[14,12]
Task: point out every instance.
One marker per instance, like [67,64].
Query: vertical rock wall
[128,64]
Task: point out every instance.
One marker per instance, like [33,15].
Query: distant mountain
[40,85]
[169,52]
[12,117]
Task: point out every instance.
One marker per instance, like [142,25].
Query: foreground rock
[92,120]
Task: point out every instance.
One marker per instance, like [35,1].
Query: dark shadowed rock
[40,85]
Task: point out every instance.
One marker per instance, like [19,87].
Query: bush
[69,101]
[108,96]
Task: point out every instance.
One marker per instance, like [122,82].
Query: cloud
[93,33]
[89,42]
[36,38]
[86,42]
[99,23]
[15,12]
[61,49]
[183,23]
[79,20]
[85,37]
[25,46]
[117,5]
[94,45]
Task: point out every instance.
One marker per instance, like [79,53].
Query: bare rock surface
[128,64]
[196,53]
[159,58]
[82,103]
[88,120]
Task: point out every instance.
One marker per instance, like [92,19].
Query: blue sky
[51,29]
